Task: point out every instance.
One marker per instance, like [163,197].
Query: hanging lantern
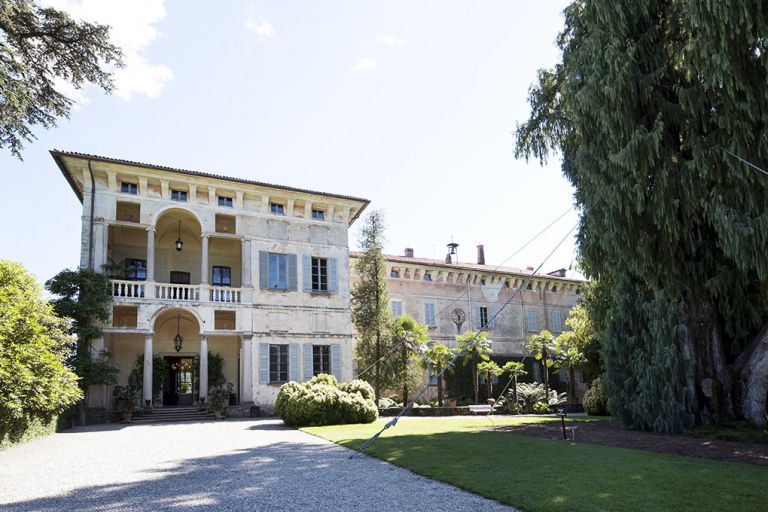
[179,243]
[178,339]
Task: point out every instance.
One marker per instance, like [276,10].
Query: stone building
[253,272]
[453,297]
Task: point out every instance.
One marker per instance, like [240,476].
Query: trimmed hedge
[32,430]
[323,401]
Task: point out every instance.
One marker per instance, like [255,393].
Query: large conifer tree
[646,99]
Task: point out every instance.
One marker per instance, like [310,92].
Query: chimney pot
[409,252]
[480,255]
[529,268]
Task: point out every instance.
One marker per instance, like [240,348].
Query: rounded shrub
[360,387]
[322,401]
[595,403]
[540,408]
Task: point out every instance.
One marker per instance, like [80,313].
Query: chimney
[409,252]
[529,268]
[480,255]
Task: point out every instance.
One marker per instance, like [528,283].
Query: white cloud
[366,64]
[255,23]
[390,40]
[133,29]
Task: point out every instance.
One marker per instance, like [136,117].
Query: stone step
[150,418]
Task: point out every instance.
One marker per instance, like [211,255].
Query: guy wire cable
[469,344]
[467,290]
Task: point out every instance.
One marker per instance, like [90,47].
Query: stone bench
[480,409]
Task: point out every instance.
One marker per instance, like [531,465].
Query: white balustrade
[180,292]
[128,289]
[225,294]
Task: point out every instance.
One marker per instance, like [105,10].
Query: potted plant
[218,397]
[125,397]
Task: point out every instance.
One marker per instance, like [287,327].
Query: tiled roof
[463,266]
[56,153]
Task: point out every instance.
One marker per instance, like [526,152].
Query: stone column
[245,278]
[150,254]
[148,369]
[246,389]
[203,367]
[204,266]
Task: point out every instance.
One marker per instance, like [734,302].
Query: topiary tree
[475,347]
[35,382]
[436,359]
[323,401]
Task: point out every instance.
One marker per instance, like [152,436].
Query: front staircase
[171,414]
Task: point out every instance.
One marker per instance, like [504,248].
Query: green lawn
[546,475]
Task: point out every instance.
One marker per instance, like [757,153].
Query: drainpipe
[90,226]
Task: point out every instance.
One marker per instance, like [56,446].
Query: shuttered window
[278,363]
[533,322]
[397,308]
[429,315]
[557,324]
[321,359]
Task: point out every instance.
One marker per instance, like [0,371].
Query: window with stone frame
[129,188]
[278,363]
[321,359]
[319,275]
[221,276]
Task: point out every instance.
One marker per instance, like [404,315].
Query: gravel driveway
[228,465]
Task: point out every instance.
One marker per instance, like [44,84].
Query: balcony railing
[176,292]
[129,289]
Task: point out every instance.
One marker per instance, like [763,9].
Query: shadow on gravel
[270,426]
[281,476]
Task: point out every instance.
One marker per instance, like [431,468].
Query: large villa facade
[259,276]
[256,274]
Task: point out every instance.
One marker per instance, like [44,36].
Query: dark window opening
[129,188]
[483,317]
[226,201]
[179,195]
[318,214]
[278,363]
[277,208]
[179,277]
[135,270]
[222,276]
[319,275]
[321,359]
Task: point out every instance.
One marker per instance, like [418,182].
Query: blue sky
[409,104]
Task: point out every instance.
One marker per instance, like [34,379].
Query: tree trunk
[514,388]
[545,374]
[405,375]
[475,380]
[752,370]
[708,380]
[571,385]
[439,390]
[377,373]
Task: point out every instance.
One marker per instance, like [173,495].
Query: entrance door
[177,388]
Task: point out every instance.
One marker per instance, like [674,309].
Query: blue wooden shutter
[336,361]
[492,318]
[292,280]
[263,269]
[263,363]
[306,272]
[309,367]
[478,319]
[333,275]
[293,362]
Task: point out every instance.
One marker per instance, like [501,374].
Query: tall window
[222,276]
[484,317]
[319,275]
[278,271]
[533,322]
[278,363]
[397,308]
[429,314]
[277,208]
[135,270]
[557,324]
[321,359]
[129,188]
[394,273]
[427,276]
[226,201]
[179,195]
[318,214]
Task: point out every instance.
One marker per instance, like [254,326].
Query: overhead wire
[460,353]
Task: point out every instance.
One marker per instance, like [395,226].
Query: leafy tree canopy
[40,46]
[644,102]
[35,382]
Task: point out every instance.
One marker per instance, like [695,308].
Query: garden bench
[480,409]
